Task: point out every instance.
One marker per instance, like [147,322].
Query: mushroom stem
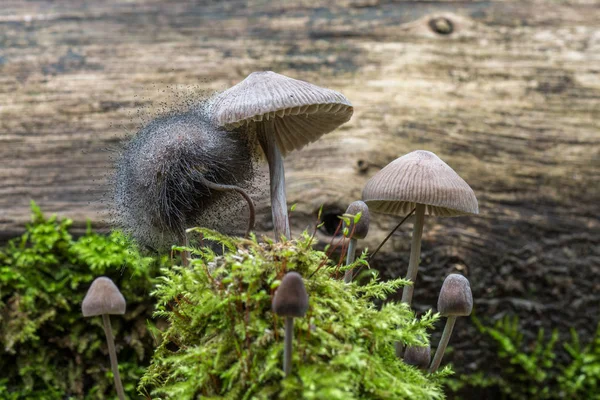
[114,364]
[281,224]
[287,350]
[415,254]
[350,259]
[224,188]
[439,352]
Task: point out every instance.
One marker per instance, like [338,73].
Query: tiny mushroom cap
[455,298]
[300,111]
[291,299]
[419,356]
[419,177]
[362,226]
[103,297]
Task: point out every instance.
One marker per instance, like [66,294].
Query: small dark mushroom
[290,301]
[104,298]
[456,300]
[356,231]
[419,356]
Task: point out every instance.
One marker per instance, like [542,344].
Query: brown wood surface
[510,98]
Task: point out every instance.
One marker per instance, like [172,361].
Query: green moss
[531,370]
[47,349]
[223,341]
[218,338]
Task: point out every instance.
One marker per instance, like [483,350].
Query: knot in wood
[441,25]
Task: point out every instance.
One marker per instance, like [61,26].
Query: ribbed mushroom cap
[418,356]
[455,298]
[291,299]
[301,112]
[419,177]
[103,297]
[362,227]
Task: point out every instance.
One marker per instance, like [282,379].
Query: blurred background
[507,93]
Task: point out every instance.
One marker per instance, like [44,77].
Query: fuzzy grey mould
[157,193]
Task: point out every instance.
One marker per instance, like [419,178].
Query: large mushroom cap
[291,299]
[419,177]
[301,112]
[103,297]
[455,298]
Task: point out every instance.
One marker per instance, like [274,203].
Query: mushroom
[358,230]
[419,356]
[290,301]
[104,298]
[455,300]
[170,173]
[287,115]
[423,181]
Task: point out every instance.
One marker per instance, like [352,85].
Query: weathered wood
[507,93]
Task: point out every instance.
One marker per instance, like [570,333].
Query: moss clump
[47,349]
[223,341]
[531,369]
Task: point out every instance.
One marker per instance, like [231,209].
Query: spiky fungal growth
[164,173]
[225,341]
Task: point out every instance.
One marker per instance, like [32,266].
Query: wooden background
[507,93]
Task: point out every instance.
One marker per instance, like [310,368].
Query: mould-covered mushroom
[419,180]
[290,301]
[455,300]
[104,298]
[170,173]
[287,114]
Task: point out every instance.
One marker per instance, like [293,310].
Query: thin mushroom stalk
[445,339]
[287,350]
[242,192]
[281,223]
[415,254]
[358,212]
[413,264]
[350,257]
[112,353]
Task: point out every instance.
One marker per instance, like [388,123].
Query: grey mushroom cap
[291,299]
[362,226]
[419,177]
[103,297]
[455,297]
[300,111]
[419,356]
